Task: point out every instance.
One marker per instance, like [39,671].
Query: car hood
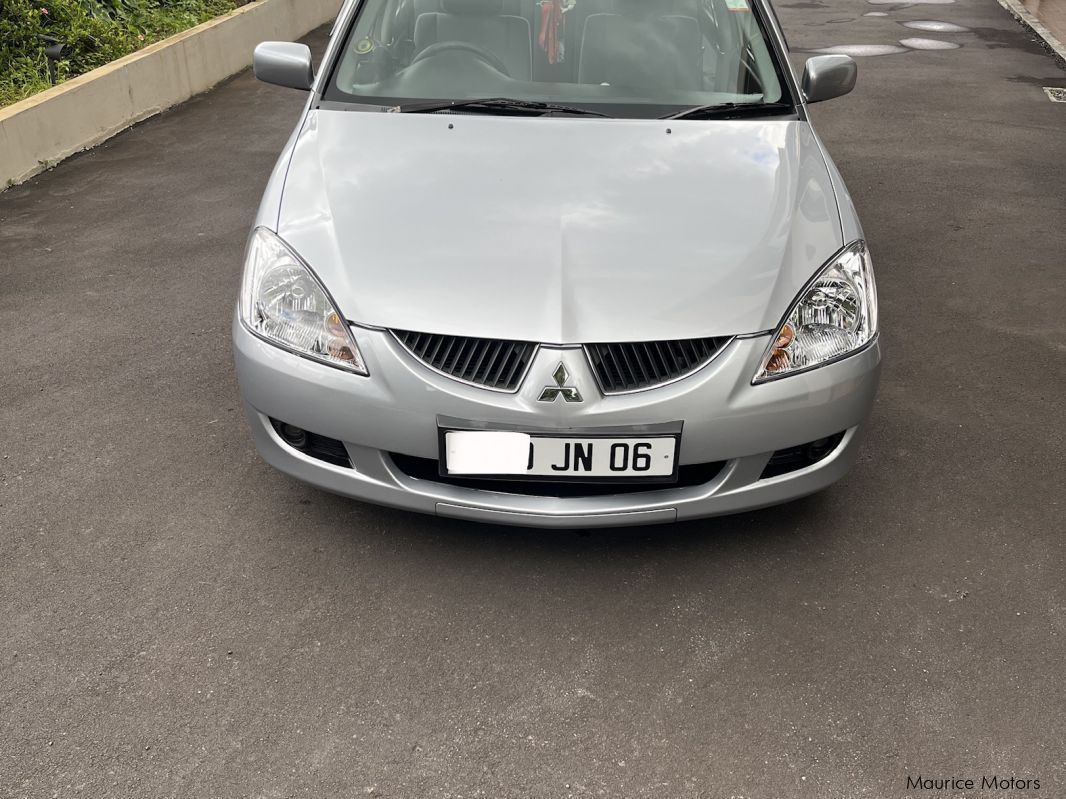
[559,230]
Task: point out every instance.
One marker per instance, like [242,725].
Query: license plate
[502,453]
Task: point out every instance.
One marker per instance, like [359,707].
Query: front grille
[492,363]
[634,366]
[428,469]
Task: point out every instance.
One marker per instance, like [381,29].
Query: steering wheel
[491,59]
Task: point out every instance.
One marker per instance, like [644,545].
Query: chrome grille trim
[493,364]
[629,367]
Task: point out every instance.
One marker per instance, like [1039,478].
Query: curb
[42,130]
[1029,20]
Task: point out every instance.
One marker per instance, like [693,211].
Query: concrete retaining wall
[46,128]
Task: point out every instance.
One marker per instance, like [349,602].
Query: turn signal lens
[785,336]
[335,325]
[834,315]
[283,303]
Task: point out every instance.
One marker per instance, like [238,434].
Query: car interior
[636,50]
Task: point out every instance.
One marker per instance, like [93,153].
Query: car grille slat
[425,342]
[681,358]
[517,369]
[455,352]
[630,374]
[493,370]
[448,345]
[674,355]
[654,364]
[506,350]
[667,359]
[472,350]
[635,366]
[493,363]
[693,353]
[461,355]
[478,377]
[638,363]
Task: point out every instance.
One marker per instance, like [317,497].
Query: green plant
[95,32]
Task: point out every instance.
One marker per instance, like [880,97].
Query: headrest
[481,7]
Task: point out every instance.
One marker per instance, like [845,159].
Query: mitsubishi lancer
[567,263]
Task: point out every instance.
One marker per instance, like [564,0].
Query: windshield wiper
[488,103]
[730,110]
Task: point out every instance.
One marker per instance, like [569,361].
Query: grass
[94,32]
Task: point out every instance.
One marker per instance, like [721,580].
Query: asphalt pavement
[179,620]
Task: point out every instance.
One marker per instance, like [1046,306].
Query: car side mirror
[828,76]
[284,64]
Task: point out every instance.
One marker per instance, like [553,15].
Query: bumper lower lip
[396,410]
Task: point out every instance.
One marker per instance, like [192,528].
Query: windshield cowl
[732,111]
[494,104]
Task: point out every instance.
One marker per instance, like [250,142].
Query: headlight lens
[282,302]
[834,315]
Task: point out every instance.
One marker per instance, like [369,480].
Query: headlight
[834,315]
[283,303]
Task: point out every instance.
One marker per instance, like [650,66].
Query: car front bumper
[397,409]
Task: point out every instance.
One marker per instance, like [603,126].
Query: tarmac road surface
[179,620]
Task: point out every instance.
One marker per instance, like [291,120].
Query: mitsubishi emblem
[561,377]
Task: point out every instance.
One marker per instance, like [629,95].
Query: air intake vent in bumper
[428,469]
[639,365]
[492,363]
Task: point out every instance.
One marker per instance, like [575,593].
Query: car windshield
[637,58]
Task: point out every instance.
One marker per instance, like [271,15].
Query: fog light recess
[311,444]
[795,458]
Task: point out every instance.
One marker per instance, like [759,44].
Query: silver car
[567,263]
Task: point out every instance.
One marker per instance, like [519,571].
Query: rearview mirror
[828,76]
[284,64]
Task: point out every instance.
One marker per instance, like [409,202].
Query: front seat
[649,54]
[482,24]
